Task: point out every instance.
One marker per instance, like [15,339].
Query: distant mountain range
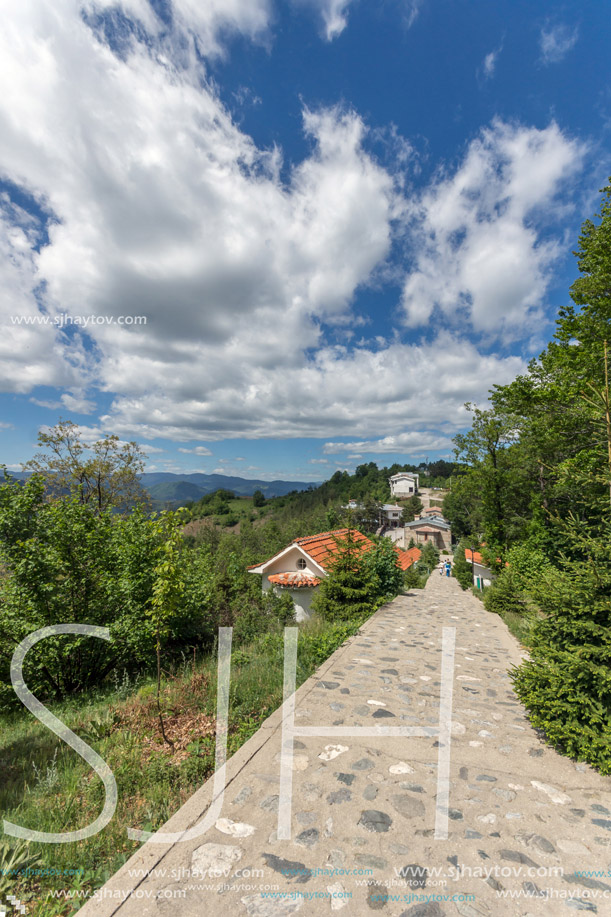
[177,489]
[165,487]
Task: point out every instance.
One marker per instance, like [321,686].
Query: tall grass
[48,787]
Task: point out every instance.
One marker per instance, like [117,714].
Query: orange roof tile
[321,548]
[477,557]
[294,580]
[405,559]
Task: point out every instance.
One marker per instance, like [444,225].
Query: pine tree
[348,592]
[566,683]
[462,569]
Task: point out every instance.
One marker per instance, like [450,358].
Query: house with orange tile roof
[482,574]
[405,559]
[300,568]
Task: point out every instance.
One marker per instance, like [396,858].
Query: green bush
[566,683]
[503,596]
[429,555]
[461,568]
[275,611]
[381,563]
[516,587]
[415,578]
[258,498]
[67,564]
[350,590]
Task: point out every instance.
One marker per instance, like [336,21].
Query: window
[301,564]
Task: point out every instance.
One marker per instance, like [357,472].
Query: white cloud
[337,392]
[27,355]
[414,444]
[333,13]
[478,253]
[198,450]
[75,403]
[206,23]
[411,9]
[6,426]
[213,18]
[318,461]
[490,63]
[556,41]
[486,71]
[164,207]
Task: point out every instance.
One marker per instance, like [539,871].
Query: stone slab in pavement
[525,824]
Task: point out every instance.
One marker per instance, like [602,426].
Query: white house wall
[402,489]
[287,563]
[302,600]
[484,572]
[397,536]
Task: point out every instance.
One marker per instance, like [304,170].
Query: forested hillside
[322,505]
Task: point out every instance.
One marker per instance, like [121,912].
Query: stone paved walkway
[522,819]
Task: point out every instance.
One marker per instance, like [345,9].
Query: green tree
[462,505]
[412,507]
[461,568]
[348,593]
[258,498]
[429,556]
[414,579]
[65,563]
[368,515]
[566,683]
[102,474]
[516,587]
[384,569]
[167,592]
[485,448]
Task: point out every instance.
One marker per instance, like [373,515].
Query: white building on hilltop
[404,484]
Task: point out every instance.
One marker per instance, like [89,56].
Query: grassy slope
[48,787]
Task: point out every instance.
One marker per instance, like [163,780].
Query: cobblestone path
[528,831]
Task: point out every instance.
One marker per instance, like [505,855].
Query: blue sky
[275,238]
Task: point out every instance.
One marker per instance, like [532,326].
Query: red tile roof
[434,509]
[323,547]
[294,580]
[477,557]
[406,558]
